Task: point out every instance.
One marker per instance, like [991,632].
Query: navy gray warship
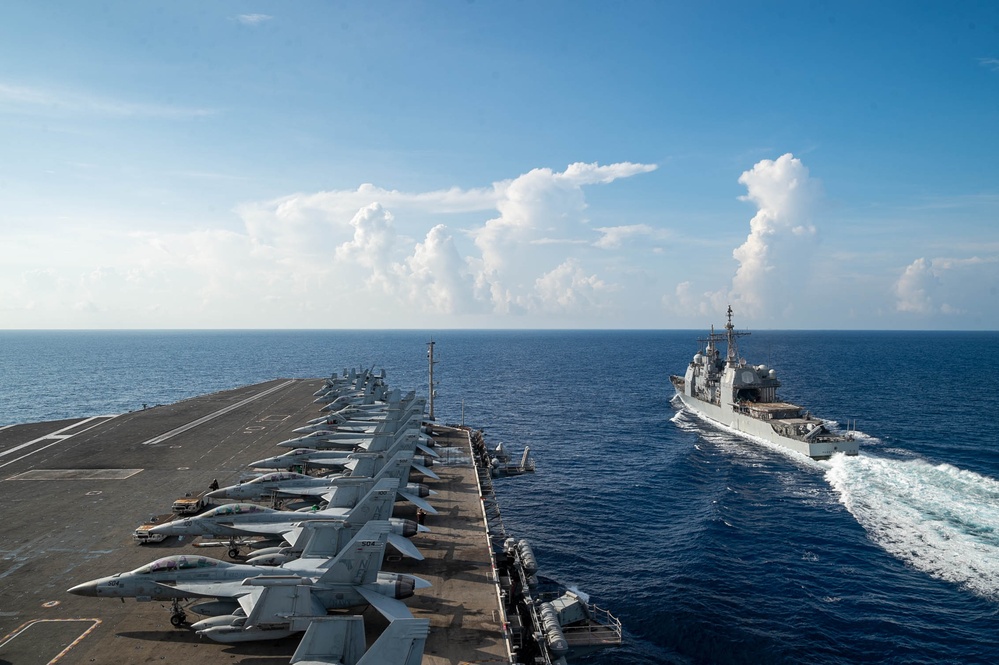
[743,399]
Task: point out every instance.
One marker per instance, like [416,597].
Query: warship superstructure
[743,398]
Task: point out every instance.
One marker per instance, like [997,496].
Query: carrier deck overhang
[75,490]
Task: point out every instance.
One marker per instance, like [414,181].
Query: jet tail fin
[397,467]
[420,503]
[425,471]
[377,504]
[322,539]
[426,450]
[405,546]
[360,561]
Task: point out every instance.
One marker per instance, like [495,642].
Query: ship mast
[430,358]
[730,335]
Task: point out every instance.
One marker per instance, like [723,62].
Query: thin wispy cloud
[253,19]
[991,63]
[614,236]
[34,99]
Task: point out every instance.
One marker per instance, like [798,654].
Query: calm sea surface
[709,548]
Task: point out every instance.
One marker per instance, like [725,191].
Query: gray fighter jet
[395,421]
[351,579]
[373,501]
[273,606]
[328,459]
[324,539]
[284,484]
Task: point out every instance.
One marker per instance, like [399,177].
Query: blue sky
[499,165]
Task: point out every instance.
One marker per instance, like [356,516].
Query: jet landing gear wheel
[233,552]
[177,617]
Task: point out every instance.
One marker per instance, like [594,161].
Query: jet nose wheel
[233,552]
[178,619]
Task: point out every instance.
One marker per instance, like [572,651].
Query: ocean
[709,548]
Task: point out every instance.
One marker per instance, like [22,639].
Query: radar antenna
[728,336]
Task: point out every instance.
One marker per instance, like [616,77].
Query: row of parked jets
[322,559]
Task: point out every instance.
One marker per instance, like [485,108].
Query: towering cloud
[777,248]
[774,261]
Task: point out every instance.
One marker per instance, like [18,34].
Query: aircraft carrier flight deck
[73,492]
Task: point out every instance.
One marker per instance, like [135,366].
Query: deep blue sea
[711,549]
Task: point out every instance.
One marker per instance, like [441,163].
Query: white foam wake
[939,519]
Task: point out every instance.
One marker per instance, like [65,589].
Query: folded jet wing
[268,611]
[324,539]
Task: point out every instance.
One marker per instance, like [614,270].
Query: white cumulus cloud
[569,289]
[541,207]
[947,286]
[514,262]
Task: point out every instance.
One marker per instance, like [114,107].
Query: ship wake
[937,518]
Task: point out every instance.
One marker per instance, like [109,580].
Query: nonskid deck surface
[772,406]
[74,491]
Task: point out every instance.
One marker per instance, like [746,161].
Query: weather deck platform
[74,491]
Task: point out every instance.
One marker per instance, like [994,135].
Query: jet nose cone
[85,589]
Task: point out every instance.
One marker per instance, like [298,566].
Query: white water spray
[939,519]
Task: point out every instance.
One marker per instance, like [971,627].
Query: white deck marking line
[58,434]
[25,626]
[221,412]
[59,438]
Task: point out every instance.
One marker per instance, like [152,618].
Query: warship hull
[742,398]
[748,426]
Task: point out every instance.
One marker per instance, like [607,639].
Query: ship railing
[490,506]
[602,629]
[492,522]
